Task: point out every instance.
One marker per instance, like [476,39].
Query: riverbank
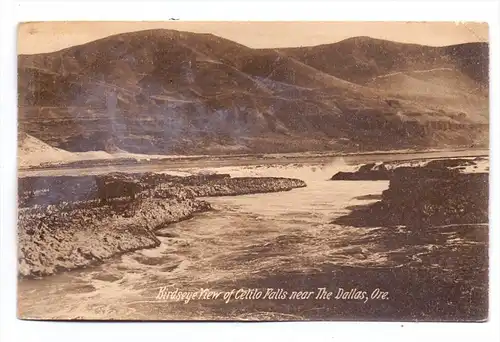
[231,161]
[63,224]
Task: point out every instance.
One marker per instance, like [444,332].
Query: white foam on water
[245,237]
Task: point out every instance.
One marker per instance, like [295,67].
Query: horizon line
[249,47]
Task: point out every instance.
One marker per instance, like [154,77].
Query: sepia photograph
[253,171]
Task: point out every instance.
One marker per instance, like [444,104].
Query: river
[280,240]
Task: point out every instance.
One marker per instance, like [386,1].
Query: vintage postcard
[253,171]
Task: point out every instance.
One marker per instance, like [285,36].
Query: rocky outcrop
[56,190]
[385,171]
[69,236]
[245,185]
[365,172]
[65,224]
[423,197]
[116,186]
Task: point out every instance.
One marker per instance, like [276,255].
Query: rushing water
[280,240]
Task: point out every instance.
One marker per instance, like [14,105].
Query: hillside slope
[360,59]
[170,92]
[455,76]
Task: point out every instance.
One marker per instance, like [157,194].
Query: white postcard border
[13,12]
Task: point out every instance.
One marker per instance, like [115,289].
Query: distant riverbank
[205,161]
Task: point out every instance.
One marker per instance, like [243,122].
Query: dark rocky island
[434,219]
[438,192]
[384,171]
[421,197]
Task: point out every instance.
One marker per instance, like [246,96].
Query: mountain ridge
[165,91]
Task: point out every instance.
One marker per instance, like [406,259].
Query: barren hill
[455,76]
[164,91]
[361,59]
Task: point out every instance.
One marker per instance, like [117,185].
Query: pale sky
[36,37]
